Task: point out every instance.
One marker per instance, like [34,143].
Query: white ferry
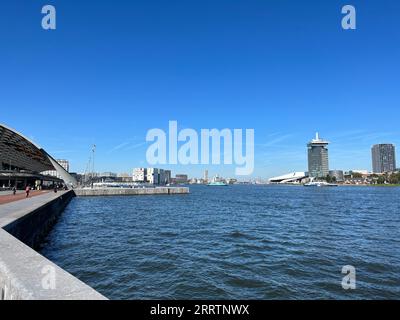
[320,184]
[217,181]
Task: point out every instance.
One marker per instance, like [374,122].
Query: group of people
[28,190]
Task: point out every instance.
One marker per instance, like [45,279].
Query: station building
[22,163]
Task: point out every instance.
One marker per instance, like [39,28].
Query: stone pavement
[12,211]
[7,196]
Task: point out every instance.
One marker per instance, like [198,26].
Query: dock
[89,192]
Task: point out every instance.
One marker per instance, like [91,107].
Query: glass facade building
[383,158]
[318,164]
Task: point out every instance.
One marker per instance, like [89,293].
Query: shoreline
[340,185]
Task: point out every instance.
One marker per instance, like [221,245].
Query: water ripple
[238,242]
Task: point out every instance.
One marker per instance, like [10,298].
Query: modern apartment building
[152,176]
[181,178]
[383,158]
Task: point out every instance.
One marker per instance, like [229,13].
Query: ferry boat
[320,184]
[217,181]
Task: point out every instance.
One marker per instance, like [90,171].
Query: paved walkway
[14,210]
[9,197]
[21,268]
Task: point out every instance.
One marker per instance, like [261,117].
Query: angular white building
[294,177]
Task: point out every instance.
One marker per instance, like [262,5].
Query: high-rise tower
[318,164]
[383,158]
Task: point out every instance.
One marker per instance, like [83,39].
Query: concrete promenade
[14,210]
[131,191]
[24,273]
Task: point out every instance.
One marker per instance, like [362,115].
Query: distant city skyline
[107,76]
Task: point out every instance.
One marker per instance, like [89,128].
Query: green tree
[394,178]
[381,180]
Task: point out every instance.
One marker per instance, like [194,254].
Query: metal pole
[9,178]
[94,150]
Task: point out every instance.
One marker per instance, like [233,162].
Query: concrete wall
[27,275]
[24,273]
[32,227]
[131,191]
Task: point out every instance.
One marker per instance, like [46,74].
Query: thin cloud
[135,146]
[120,146]
[276,140]
[363,137]
[346,134]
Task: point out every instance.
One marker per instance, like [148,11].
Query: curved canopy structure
[290,177]
[18,153]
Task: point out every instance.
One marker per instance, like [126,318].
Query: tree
[381,180]
[394,178]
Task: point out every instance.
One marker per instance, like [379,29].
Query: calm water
[236,242]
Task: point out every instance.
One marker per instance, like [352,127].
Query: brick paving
[20,195]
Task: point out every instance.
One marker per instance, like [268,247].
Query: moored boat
[320,184]
[217,181]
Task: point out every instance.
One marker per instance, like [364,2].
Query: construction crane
[89,171]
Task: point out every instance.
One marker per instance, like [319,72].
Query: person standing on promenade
[14,189]
[27,190]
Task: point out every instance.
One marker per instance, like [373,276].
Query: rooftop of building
[318,140]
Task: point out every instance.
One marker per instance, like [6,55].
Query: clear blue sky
[114,69]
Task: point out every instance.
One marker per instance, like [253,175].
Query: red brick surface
[19,196]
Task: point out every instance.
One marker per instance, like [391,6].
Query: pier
[131,191]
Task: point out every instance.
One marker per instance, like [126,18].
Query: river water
[235,242]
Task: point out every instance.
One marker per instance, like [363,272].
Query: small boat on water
[217,182]
[320,184]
